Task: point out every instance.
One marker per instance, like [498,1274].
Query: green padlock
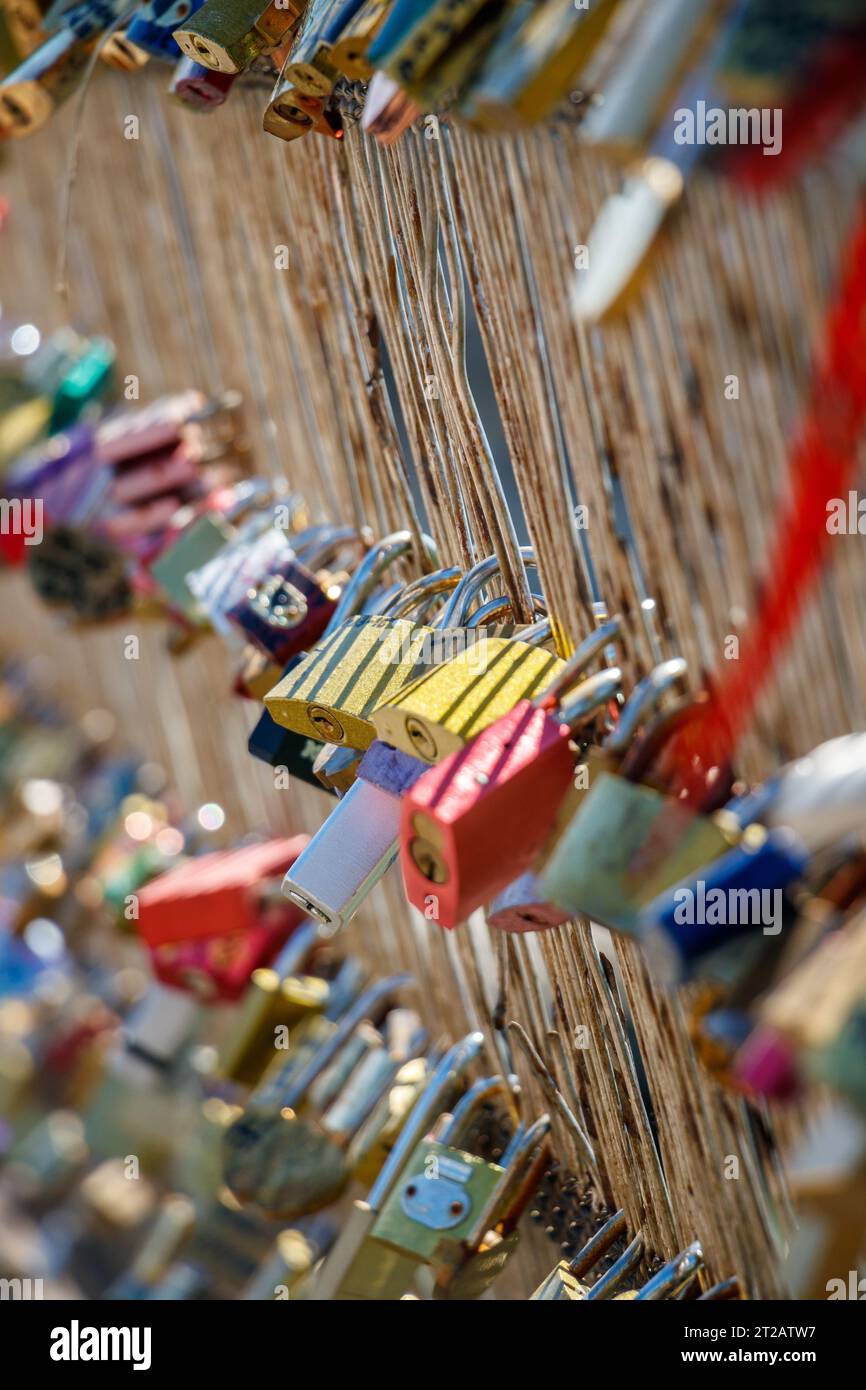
[627,841]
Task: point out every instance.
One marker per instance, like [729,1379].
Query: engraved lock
[228,35]
[467,1271]
[534,62]
[438,1202]
[628,841]
[439,711]
[331,693]
[360,1267]
[485,812]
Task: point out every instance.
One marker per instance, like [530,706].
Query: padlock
[213,895]
[285,749]
[218,969]
[290,113]
[388,111]
[284,1086]
[439,711]
[154,31]
[377,1136]
[358,842]
[285,613]
[468,1272]
[271,1003]
[308,1166]
[118,52]
[336,767]
[443,1190]
[310,67]
[331,693]
[508,781]
[198,87]
[738,894]
[295,1254]
[605,862]
[30,95]
[359,1266]
[431,46]
[349,50]
[534,62]
[228,35]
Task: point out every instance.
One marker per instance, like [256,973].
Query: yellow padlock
[443,708]
[362,659]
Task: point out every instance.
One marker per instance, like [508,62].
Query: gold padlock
[349,53]
[363,659]
[444,707]
[31,94]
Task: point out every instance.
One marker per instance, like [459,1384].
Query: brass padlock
[349,51]
[443,708]
[229,34]
[332,692]
[311,67]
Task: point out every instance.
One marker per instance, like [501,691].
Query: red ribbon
[823,456]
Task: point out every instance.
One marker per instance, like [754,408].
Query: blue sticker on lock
[437,1198]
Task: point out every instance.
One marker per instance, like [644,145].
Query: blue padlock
[739,894]
[153,31]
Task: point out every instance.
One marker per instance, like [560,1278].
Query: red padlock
[213,895]
[218,968]
[477,820]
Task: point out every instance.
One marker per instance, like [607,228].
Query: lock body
[346,857]
[483,813]
[198,86]
[31,94]
[332,692]
[268,1005]
[349,52]
[604,865]
[228,34]
[435,1204]
[282,748]
[523,907]
[286,613]
[190,550]
[310,66]
[446,706]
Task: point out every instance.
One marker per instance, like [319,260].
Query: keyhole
[421,740]
[326,725]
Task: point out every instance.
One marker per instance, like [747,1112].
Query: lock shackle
[666,725]
[430,1104]
[590,696]
[320,550]
[645,696]
[674,1276]
[376,562]
[344,1030]
[249,493]
[577,663]
[590,1254]
[516,1161]
[619,1270]
[296,950]
[454,613]
[500,607]
[411,596]
[468,1106]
